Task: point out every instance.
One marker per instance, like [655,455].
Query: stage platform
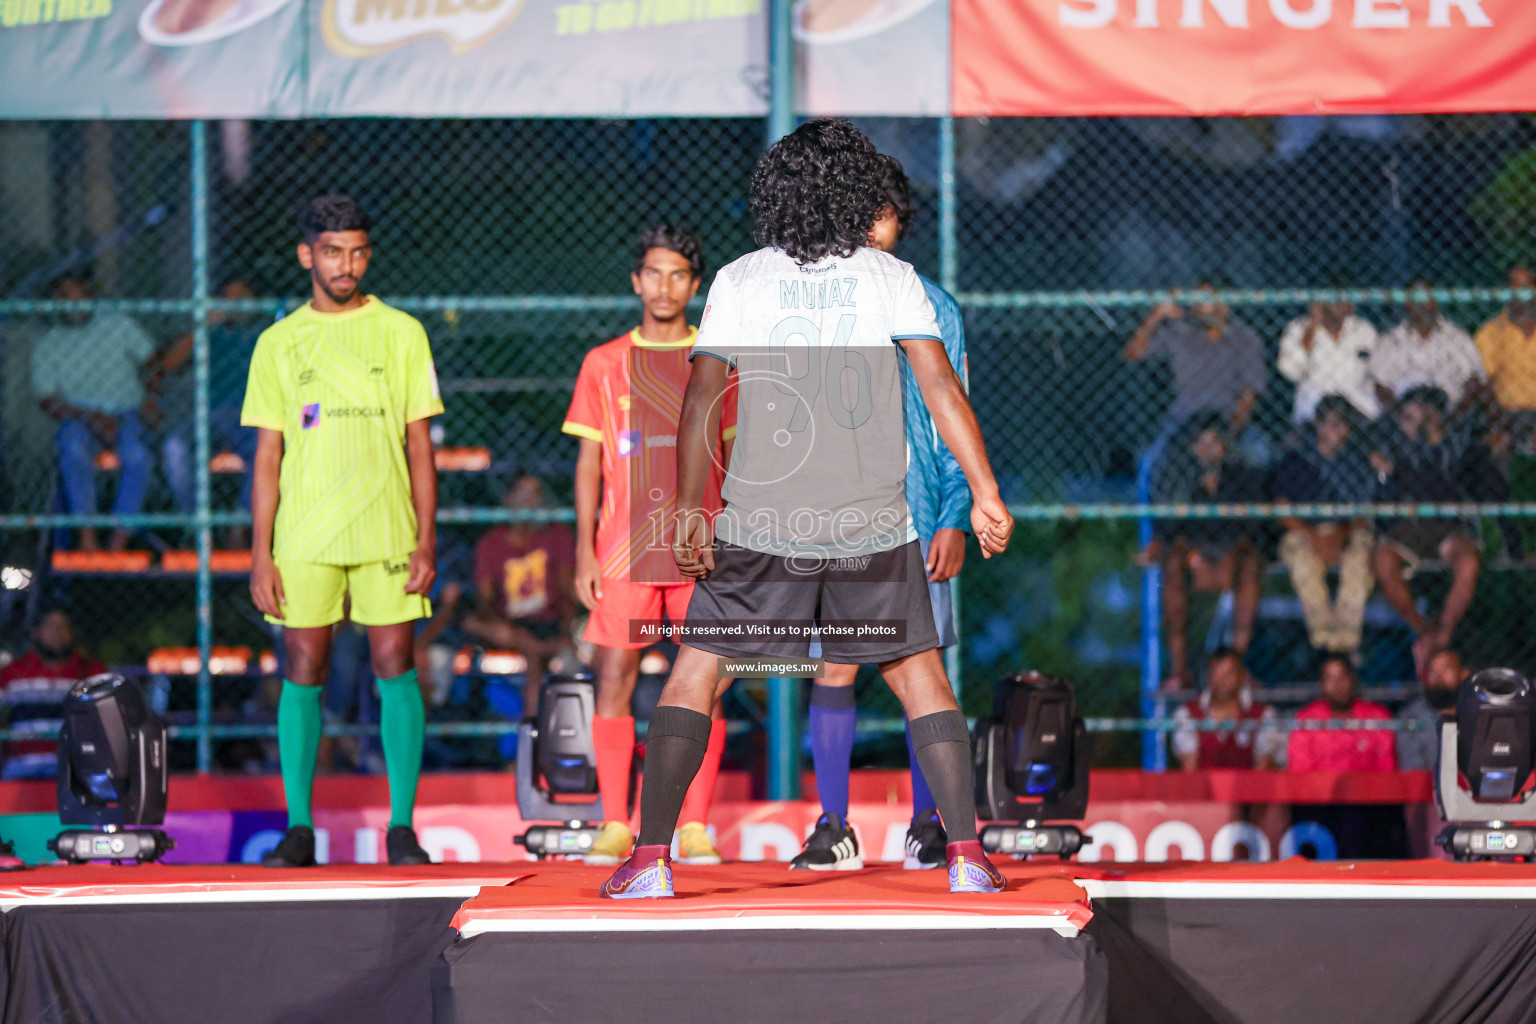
[1295,940]
[756,942]
[1192,943]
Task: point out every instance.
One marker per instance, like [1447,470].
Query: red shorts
[624,602]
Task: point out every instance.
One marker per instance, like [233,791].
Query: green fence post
[783,694]
[200,294]
[949,274]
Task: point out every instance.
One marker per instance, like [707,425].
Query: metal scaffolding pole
[783,694]
[201,453]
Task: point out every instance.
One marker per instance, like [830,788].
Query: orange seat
[492,663]
[226,462]
[462,460]
[219,561]
[102,561]
[183,661]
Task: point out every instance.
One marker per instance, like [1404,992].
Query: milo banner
[460,58]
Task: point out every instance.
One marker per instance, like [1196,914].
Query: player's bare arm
[418,456]
[956,422]
[266,582]
[589,489]
[699,422]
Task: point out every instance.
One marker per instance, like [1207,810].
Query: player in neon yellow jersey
[344,503]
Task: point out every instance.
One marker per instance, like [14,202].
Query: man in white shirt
[1328,353]
[1426,350]
[87,374]
[816,531]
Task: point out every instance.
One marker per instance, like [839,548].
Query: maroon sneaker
[647,875]
[969,869]
[8,859]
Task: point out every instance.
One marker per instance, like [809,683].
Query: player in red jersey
[625,409]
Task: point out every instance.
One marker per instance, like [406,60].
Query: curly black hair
[332,213]
[675,239]
[816,192]
[897,191]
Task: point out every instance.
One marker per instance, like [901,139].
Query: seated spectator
[231,340]
[1418,749]
[1341,750]
[86,374]
[1217,361]
[1329,469]
[1426,350]
[1254,743]
[1420,460]
[1507,344]
[525,598]
[32,688]
[1206,554]
[1326,353]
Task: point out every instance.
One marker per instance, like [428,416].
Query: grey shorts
[869,608]
[943,599]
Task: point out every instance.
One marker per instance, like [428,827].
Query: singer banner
[1241,57]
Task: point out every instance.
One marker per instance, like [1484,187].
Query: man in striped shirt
[343,504]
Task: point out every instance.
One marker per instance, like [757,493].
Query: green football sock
[298,742]
[403,722]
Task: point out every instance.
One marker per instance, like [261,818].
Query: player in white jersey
[816,531]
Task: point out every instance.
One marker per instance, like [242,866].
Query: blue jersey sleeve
[954,492]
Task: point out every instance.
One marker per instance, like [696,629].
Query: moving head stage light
[1489,745]
[557,770]
[112,774]
[1032,765]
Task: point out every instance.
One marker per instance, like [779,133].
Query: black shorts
[869,608]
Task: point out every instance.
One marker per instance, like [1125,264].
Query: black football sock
[674,750]
[943,747]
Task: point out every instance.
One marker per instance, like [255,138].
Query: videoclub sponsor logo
[360,28]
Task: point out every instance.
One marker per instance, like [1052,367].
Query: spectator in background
[1418,749]
[1426,350]
[87,373]
[1341,750]
[1422,462]
[1370,831]
[231,340]
[1217,362]
[1327,353]
[1331,470]
[33,687]
[1206,554]
[1255,742]
[1508,347]
[525,598]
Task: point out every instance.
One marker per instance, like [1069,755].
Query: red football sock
[702,792]
[613,741]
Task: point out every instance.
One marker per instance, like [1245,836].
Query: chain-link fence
[511,241]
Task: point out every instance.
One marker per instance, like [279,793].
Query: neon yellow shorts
[315,594]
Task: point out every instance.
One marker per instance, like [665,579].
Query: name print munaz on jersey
[837,291]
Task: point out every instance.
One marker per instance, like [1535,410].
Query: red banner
[1240,57]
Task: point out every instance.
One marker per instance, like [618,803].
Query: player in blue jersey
[939,501]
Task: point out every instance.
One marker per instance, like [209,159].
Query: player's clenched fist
[692,545]
[992,524]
